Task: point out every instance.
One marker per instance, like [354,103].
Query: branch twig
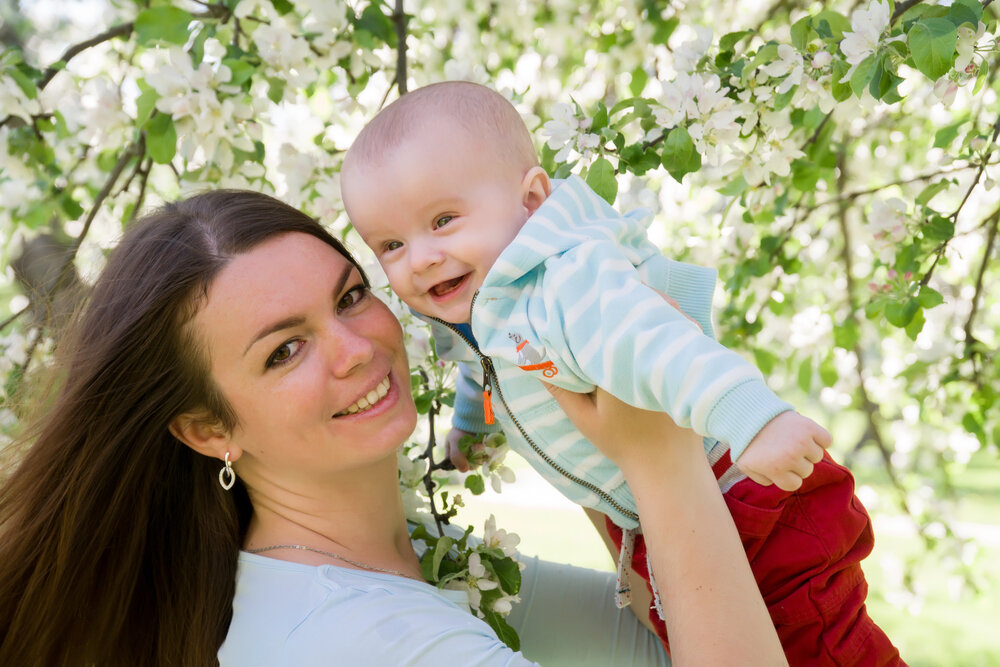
[991,238]
[13,318]
[399,20]
[122,30]
[902,8]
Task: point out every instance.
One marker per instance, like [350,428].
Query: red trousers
[805,550]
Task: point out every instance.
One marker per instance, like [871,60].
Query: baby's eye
[352,297]
[442,221]
[393,245]
[284,353]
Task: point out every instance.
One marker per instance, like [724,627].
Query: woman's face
[312,363]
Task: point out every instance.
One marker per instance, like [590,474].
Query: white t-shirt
[301,615]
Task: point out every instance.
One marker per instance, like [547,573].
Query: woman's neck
[358,516]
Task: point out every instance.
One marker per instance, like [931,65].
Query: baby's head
[438,184]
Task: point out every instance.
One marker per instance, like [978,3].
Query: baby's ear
[535,188]
[204,434]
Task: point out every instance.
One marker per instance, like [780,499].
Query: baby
[527,281]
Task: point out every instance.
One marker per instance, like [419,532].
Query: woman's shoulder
[290,613]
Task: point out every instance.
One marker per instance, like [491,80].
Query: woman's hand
[629,436]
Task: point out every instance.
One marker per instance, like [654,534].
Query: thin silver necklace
[302,547]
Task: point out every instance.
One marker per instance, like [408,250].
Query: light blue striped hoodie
[570,294]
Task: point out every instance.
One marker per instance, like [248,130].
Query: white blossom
[499,538]
[867,26]
[968,44]
[567,133]
[687,55]
[13,101]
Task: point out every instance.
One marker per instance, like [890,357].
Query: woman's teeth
[368,400]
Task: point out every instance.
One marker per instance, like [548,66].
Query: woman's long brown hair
[117,544]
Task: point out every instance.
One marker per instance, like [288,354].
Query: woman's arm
[713,608]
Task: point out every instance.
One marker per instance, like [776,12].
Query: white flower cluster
[13,101]
[494,450]
[887,222]
[865,38]
[479,578]
[208,112]
[567,133]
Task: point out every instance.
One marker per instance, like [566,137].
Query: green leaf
[680,156]
[639,79]
[831,22]
[765,360]
[916,325]
[930,191]
[664,29]
[282,6]
[440,551]
[166,24]
[901,314]
[242,71]
[508,573]
[70,206]
[846,335]
[805,175]
[828,371]
[973,423]
[23,82]
[730,40]
[378,24]
[275,89]
[145,104]
[965,11]
[938,229]
[863,75]
[802,33]
[600,119]
[984,70]
[929,297]
[505,632]
[932,46]
[601,179]
[161,138]
[736,186]
[475,484]
[805,375]
[840,89]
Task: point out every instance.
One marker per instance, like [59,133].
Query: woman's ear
[535,188]
[204,434]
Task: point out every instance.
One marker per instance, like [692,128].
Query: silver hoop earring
[226,476]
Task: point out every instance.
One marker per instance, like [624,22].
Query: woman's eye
[442,221]
[352,297]
[284,353]
[393,245]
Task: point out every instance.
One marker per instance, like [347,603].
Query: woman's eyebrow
[297,320]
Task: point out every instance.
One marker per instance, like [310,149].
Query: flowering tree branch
[123,30]
[991,237]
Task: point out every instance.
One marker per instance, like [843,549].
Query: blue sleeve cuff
[742,412]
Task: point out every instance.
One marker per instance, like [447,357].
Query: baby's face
[437,210]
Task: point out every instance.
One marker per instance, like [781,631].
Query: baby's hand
[784,451]
[455,454]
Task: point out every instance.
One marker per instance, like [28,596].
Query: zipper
[490,380]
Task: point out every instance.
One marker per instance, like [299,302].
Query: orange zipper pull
[488,406]
[487,392]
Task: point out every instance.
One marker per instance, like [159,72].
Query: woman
[235,325]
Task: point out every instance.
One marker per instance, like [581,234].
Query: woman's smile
[370,401]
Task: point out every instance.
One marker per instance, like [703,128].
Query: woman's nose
[347,349]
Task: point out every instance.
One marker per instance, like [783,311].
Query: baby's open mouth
[368,400]
[447,286]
